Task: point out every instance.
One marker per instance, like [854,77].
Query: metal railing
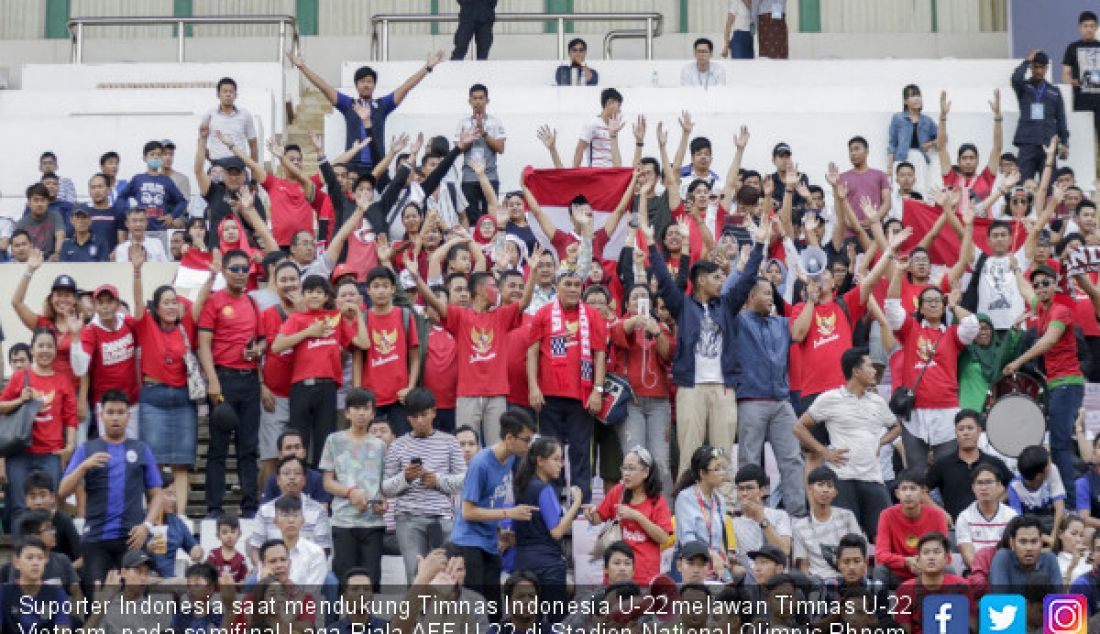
[380,31]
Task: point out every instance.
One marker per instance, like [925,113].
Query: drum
[1015,416]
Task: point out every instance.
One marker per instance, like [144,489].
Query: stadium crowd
[406,367]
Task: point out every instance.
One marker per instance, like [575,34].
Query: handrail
[620,34]
[380,30]
[76,28]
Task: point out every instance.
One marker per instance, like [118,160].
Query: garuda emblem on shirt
[385,341]
[826,324]
[481,340]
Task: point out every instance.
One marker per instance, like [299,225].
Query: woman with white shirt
[1071,548]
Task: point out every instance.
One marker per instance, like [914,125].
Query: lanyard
[708,514]
[1039,92]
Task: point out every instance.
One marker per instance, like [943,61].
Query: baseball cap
[63,282]
[168,143]
[1041,58]
[1042,269]
[135,558]
[231,163]
[694,549]
[106,288]
[781,148]
[81,210]
[340,271]
[771,552]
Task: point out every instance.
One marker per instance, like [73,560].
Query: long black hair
[652,485]
[543,447]
[158,295]
[700,462]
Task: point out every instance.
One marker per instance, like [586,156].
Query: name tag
[1037,111]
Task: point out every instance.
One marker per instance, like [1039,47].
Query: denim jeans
[19,467]
[1064,401]
[649,424]
[412,538]
[741,45]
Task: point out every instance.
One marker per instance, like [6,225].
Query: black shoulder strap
[281,311]
[844,308]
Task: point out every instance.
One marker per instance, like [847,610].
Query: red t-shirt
[559,378]
[898,535]
[939,388]
[362,253]
[113,365]
[1084,314]
[561,241]
[290,210]
[234,322]
[518,341]
[322,204]
[387,364]
[695,238]
[647,373]
[61,363]
[58,409]
[1061,360]
[794,363]
[161,352]
[319,357]
[440,369]
[981,183]
[278,368]
[480,347]
[647,553]
[911,600]
[235,566]
[830,334]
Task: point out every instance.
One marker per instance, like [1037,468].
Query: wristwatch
[765,524]
[600,389]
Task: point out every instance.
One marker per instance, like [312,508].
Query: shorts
[169,424]
[272,425]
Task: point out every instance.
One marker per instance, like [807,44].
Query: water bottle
[653,78]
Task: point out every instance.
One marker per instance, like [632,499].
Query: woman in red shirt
[167,420]
[53,436]
[642,513]
[647,347]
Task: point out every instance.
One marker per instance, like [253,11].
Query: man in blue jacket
[1042,115]
[704,367]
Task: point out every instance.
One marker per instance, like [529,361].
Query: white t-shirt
[238,126]
[708,351]
[750,536]
[854,424]
[998,295]
[154,251]
[971,527]
[715,75]
[598,137]
[742,15]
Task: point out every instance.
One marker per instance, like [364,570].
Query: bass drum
[1013,422]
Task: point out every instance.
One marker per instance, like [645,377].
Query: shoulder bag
[17,427]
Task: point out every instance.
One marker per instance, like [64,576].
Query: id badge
[777,11]
[1037,112]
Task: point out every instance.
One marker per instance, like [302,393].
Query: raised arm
[966,255]
[326,89]
[671,172]
[200,159]
[1048,171]
[666,286]
[259,227]
[350,224]
[432,181]
[998,132]
[18,298]
[1032,242]
[730,188]
[1084,282]
[868,283]
[800,326]
[258,173]
[1026,290]
[614,127]
[417,77]
[616,215]
[278,151]
[549,138]
[136,260]
[941,138]
[541,218]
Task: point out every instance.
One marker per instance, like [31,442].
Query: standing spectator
[739,31]
[771,24]
[855,416]
[291,198]
[599,142]
[864,181]
[53,435]
[117,489]
[168,158]
[106,354]
[353,462]
[84,246]
[440,369]
[539,540]
[1042,115]
[138,239]
[393,358]
[231,340]
[47,164]
[44,227]
[232,122]
[982,524]
[912,137]
[374,130]
[965,175]
[817,537]
[475,20]
[701,511]
[490,142]
[485,502]
[222,193]
[899,528]
[108,218]
[1012,566]
[949,471]
[314,523]
[577,72]
[566,366]
[642,512]
[277,368]
[155,193]
[933,554]
[424,469]
[702,72]
[1081,68]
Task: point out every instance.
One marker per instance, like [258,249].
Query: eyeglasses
[237,268]
[1044,283]
[1018,201]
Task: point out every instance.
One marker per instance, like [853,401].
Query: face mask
[154,164]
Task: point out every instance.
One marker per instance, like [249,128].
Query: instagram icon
[1064,614]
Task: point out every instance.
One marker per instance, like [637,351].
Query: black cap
[63,282]
[781,148]
[771,552]
[694,549]
[168,143]
[224,418]
[231,163]
[1042,269]
[1041,58]
[81,210]
[135,558]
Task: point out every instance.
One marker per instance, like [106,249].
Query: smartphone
[643,306]
[435,536]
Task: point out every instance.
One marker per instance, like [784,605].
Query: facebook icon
[946,614]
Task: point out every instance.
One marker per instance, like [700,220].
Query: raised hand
[763,233]
[215,265]
[415,149]
[867,207]
[662,134]
[295,59]
[995,104]
[275,148]
[790,177]
[434,59]
[533,258]
[639,129]
[399,143]
[615,125]
[1011,180]
[842,189]
[246,197]
[35,260]
[363,111]
[1052,148]
[548,136]
[742,138]
[832,176]
[899,238]
[809,222]
[686,124]
[945,105]
[478,165]
[803,190]
[467,139]
[317,141]
[382,248]
[769,186]
[204,129]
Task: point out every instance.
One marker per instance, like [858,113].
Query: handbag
[610,533]
[196,382]
[17,427]
[616,394]
[903,398]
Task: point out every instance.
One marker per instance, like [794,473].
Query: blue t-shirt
[106,223]
[116,493]
[94,250]
[536,548]
[379,110]
[1039,501]
[488,485]
[179,536]
[315,488]
[17,618]
[158,196]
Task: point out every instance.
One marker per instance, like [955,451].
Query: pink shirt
[869,184]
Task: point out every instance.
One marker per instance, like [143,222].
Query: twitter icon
[1003,614]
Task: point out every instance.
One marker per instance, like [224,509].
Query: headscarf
[1002,348]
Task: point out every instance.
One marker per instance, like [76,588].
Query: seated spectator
[1088,584]
[274,574]
[948,474]
[468,441]
[308,563]
[177,536]
[40,494]
[59,570]
[817,536]
[694,563]
[702,72]
[47,164]
[522,601]
[781,595]
[21,246]
[851,562]
[84,246]
[62,207]
[424,469]
[44,227]
[695,613]
[1013,566]
[1087,501]
[576,72]
[138,238]
[30,587]
[618,568]
[200,612]
[121,592]
[767,562]
[1038,490]
[315,521]
[290,444]
[357,592]
[900,526]
[982,524]
[1071,548]
[933,553]
[225,559]
[444,571]
[758,524]
[700,509]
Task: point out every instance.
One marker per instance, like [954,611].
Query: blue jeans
[1064,402]
[741,45]
[19,467]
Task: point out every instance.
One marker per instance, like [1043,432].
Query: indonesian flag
[947,246]
[193,272]
[602,186]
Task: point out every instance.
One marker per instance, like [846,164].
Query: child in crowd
[226,559]
[40,492]
[1038,490]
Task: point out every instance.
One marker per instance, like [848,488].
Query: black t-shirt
[1084,60]
[952,477]
[217,208]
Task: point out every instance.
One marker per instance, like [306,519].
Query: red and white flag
[193,272]
[602,186]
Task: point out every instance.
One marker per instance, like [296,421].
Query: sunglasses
[237,268]
[1044,283]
